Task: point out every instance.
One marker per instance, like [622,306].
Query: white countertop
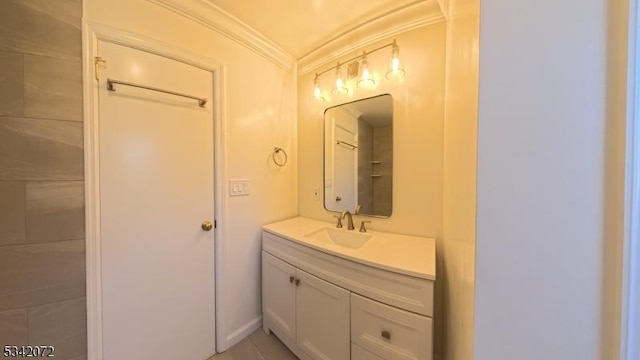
[404,254]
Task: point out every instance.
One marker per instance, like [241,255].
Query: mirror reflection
[358,157]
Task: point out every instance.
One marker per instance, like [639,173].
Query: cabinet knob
[297,282]
[386,334]
[291,278]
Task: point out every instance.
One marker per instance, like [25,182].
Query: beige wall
[42,271]
[259,114]
[418,117]
[455,292]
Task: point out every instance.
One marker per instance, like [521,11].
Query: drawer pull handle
[386,334]
[291,279]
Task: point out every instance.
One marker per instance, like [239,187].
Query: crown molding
[207,14]
[408,18]
[444,8]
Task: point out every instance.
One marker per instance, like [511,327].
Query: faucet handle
[339,224]
[362,228]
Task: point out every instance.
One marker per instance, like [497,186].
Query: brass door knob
[207,225]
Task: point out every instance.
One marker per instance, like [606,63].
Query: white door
[156,189]
[279,298]
[345,162]
[322,318]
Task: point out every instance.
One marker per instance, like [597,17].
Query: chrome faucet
[349,219]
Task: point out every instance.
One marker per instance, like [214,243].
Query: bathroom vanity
[330,293]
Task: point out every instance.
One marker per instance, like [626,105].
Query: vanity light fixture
[396,71]
[339,88]
[366,79]
[317,93]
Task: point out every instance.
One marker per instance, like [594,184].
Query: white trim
[206,13]
[221,188]
[92,33]
[153,46]
[410,17]
[243,332]
[92,196]
[633,299]
[631,307]
[444,8]
[630,314]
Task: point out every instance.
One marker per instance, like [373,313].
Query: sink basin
[344,238]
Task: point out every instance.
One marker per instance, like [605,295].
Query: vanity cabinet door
[279,297]
[322,318]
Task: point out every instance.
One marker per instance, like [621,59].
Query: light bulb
[396,71]
[317,92]
[339,88]
[395,64]
[365,75]
[366,80]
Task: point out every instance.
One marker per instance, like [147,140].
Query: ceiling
[301,26]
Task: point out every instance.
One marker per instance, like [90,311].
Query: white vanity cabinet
[326,306]
[305,310]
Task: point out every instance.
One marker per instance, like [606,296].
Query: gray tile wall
[365,168]
[383,185]
[42,256]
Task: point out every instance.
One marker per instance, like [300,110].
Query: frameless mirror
[358,156]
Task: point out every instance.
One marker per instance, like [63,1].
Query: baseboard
[242,333]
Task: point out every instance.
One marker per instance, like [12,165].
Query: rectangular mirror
[358,157]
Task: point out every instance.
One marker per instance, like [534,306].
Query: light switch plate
[239,187]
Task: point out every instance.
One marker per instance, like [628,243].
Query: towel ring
[276,150]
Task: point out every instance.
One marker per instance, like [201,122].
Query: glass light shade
[339,87]
[396,70]
[366,80]
[317,92]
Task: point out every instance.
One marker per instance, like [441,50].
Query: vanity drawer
[358,353]
[389,332]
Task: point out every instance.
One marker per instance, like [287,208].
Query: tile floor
[257,346]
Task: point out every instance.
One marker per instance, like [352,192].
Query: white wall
[456,270]
[418,116]
[542,139]
[258,114]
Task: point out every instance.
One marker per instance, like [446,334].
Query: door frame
[92,33]
[630,308]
